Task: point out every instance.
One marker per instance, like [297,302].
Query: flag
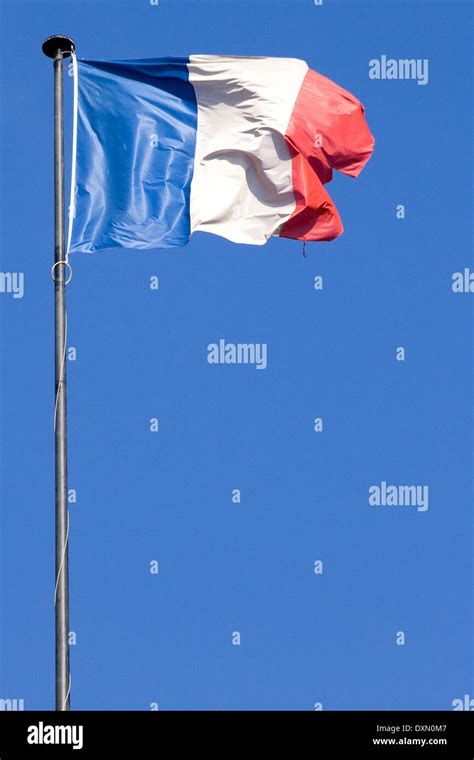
[240,147]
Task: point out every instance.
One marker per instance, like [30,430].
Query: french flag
[241,147]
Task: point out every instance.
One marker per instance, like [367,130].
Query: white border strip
[72,195]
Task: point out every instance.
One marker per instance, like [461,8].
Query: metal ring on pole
[66,264]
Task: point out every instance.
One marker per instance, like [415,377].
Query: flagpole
[59,47]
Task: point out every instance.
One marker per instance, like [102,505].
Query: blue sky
[306,638]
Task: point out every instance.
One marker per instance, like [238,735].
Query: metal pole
[58,47]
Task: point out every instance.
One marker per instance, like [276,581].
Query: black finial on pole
[58,47]
[56,42]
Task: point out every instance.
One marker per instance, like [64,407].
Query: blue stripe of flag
[137,124]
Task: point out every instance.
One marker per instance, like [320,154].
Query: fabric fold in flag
[239,147]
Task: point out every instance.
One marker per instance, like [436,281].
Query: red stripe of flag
[327,130]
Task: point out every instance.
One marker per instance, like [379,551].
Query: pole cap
[56,42]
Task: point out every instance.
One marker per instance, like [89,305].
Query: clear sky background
[167,496]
